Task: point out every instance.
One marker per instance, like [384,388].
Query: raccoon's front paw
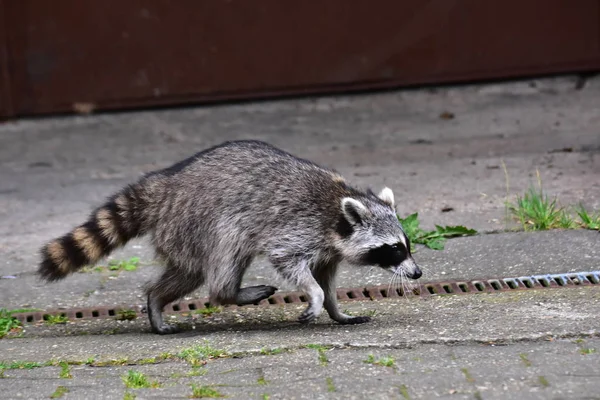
[166,329]
[307,316]
[355,320]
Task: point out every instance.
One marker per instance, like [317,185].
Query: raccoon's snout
[410,269]
[417,274]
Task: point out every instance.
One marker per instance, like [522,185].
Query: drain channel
[548,281]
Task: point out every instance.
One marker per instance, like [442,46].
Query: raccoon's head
[372,235]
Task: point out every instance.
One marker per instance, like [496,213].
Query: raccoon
[210,215]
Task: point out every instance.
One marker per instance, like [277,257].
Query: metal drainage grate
[547,281]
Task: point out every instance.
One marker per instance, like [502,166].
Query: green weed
[59,392]
[124,265]
[20,365]
[323,360]
[404,392]
[129,396]
[271,352]
[383,361]
[8,323]
[525,360]
[543,381]
[130,264]
[587,351]
[200,354]
[65,370]
[435,239]
[201,392]
[535,211]
[137,380]
[208,311]
[588,221]
[467,375]
[126,315]
[330,385]
[55,319]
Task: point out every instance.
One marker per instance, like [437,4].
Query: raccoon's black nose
[417,274]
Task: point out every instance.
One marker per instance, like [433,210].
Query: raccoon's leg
[227,281]
[298,273]
[172,285]
[325,276]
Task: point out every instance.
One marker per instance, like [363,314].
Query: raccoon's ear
[354,211]
[387,196]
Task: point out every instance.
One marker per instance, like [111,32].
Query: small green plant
[265,396]
[8,323]
[432,239]
[208,310]
[126,315]
[65,370]
[587,351]
[201,392]
[200,354]
[55,319]
[525,360]
[330,385]
[146,361]
[59,392]
[262,381]
[467,375]
[130,264]
[543,381]
[404,392]
[588,221]
[20,365]
[129,396]
[271,352]
[323,360]
[124,265]
[383,361]
[137,380]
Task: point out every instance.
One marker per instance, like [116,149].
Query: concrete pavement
[531,344]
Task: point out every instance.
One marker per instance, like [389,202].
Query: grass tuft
[55,319]
[535,211]
[383,361]
[8,323]
[202,392]
[588,221]
[137,380]
[59,392]
[126,315]
[65,370]
[208,310]
[200,354]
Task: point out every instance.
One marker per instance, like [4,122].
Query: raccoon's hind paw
[355,320]
[166,329]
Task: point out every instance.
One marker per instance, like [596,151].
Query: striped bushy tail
[110,226]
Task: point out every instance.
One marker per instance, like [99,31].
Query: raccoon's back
[249,188]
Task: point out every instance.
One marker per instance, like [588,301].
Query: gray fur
[210,215]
